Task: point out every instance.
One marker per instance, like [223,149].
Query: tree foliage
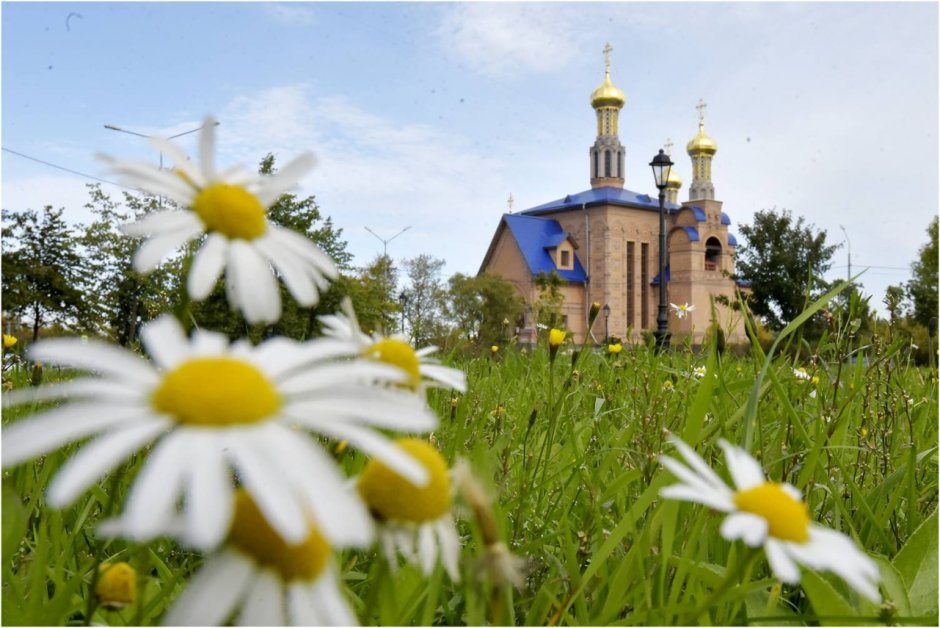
[425,296]
[302,215]
[42,270]
[785,260]
[485,308]
[372,291]
[922,288]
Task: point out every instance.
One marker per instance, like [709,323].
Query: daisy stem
[732,578]
[181,311]
[99,547]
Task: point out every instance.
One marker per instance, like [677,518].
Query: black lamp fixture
[606,311]
[403,300]
[661,165]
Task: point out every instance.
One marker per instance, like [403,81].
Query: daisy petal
[207,148]
[745,470]
[697,463]
[209,492]
[162,221]
[301,610]
[254,287]
[97,458]
[450,546]
[780,563]
[263,602]
[159,246]
[151,503]
[697,495]
[272,187]
[223,580]
[207,267]
[745,526]
[96,356]
[181,162]
[292,273]
[326,595]
[165,341]
[427,549]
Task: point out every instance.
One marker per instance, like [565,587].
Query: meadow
[564,523]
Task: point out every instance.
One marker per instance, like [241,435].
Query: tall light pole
[134,318]
[661,165]
[849,242]
[606,311]
[386,241]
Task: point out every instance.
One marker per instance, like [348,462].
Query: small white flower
[423,371]
[229,207]
[413,520]
[264,581]
[212,409]
[682,310]
[800,373]
[698,372]
[770,514]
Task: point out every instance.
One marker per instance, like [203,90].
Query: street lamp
[849,242]
[606,311]
[403,300]
[661,165]
[384,241]
[113,127]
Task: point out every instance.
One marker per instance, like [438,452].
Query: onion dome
[702,143]
[608,94]
[674,180]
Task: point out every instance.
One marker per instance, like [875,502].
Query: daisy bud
[592,316]
[116,586]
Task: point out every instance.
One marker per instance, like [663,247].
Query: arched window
[606,163]
[712,253]
[619,166]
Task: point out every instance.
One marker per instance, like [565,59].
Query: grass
[568,449]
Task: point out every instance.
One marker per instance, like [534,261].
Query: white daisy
[699,372]
[414,520]
[229,207]
[682,310]
[211,409]
[257,579]
[770,514]
[423,370]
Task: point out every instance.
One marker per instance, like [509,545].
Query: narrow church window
[712,253]
[631,284]
[619,168]
[565,259]
[645,285]
[597,171]
[606,163]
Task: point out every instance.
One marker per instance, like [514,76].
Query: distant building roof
[725,219]
[534,236]
[699,214]
[732,241]
[692,232]
[601,196]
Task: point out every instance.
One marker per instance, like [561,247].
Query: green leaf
[14,520]
[893,586]
[917,564]
[825,599]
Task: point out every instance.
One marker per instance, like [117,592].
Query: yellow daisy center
[252,534]
[215,392]
[391,496]
[787,518]
[117,585]
[231,210]
[398,353]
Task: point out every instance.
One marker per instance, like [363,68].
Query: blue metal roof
[699,214]
[732,241]
[655,281]
[725,219]
[533,235]
[692,232]
[601,196]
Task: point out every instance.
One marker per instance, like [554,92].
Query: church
[604,244]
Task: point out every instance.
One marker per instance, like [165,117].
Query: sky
[429,115]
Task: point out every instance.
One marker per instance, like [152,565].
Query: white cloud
[509,40]
[290,13]
[35,192]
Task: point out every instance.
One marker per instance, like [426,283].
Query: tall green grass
[569,452]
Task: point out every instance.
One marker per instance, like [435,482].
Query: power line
[81,174]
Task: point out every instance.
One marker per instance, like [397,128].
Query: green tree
[485,307]
[922,288]
[784,259]
[547,308]
[121,297]
[42,270]
[373,295]
[302,215]
[425,294]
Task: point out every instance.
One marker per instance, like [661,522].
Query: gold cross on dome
[701,111]
[607,51]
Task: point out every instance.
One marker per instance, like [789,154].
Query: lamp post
[606,311]
[386,241]
[849,243]
[661,165]
[403,300]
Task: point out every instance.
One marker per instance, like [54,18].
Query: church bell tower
[607,153]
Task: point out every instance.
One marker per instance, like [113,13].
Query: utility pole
[386,241]
[849,242]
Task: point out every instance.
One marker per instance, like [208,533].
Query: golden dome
[702,143]
[674,180]
[608,94]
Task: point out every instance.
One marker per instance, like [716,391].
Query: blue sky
[431,114]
